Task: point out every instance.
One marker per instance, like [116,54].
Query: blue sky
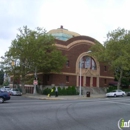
[94,18]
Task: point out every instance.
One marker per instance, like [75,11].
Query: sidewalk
[73,97]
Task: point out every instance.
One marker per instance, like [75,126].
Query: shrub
[111,88]
[46,91]
[63,91]
[71,90]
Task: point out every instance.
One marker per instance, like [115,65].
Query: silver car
[15,92]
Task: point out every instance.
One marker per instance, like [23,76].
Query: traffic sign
[35,82]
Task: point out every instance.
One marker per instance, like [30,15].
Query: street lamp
[80,76]
[35,81]
[80,72]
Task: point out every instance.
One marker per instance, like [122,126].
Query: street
[22,113]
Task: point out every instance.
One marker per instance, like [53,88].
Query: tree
[34,51]
[125,81]
[115,52]
[1,77]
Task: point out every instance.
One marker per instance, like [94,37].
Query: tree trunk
[119,81]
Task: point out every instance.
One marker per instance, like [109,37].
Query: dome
[63,34]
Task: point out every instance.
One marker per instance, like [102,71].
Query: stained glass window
[88,62]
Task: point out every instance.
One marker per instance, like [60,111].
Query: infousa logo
[123,124]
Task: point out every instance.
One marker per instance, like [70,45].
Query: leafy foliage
[33,51]
[1,77]
[6,83]
[111,88]
[115,51]
[71,90]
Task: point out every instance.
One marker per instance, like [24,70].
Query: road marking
[118,102]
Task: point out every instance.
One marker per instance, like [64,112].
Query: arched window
[88,62]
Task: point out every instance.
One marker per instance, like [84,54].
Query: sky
[94,18]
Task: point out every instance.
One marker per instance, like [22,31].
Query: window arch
[88,62]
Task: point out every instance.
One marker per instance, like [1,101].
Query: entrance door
[88,81]
[94,81]
[81,80]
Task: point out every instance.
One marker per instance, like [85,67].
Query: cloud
[94,18]
[15,14]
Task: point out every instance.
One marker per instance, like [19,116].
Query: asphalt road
[22,113]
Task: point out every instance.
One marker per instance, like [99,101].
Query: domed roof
[63,34]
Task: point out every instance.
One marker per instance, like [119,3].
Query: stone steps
[93,90]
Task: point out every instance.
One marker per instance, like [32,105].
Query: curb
[63,98]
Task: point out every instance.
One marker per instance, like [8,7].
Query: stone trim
[75,43]
[87,72]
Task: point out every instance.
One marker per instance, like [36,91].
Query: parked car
[116,93]
[128,93]
[5,89]
[4,96]
[15,92]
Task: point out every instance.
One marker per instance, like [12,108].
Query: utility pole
[35,81]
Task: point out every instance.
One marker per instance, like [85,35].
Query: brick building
[76,48]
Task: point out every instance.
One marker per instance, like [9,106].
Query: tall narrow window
[81,63]
[88,62]
[67,78]
[48,77]
[105,81]
[67,63]
[105,68]
[93,65]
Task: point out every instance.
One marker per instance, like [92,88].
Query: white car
[5,89]
[15,92]
[116,93]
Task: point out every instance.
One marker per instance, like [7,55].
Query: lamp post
[35,81]
[80,76]
[80,65]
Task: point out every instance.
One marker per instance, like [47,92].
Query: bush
[59,91]
[111,88]
[46,91]
[71,90]
[126,90]
[63,91]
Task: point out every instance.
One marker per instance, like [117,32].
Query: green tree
[1,77]
[115,52]
[125,81]
[34,51]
